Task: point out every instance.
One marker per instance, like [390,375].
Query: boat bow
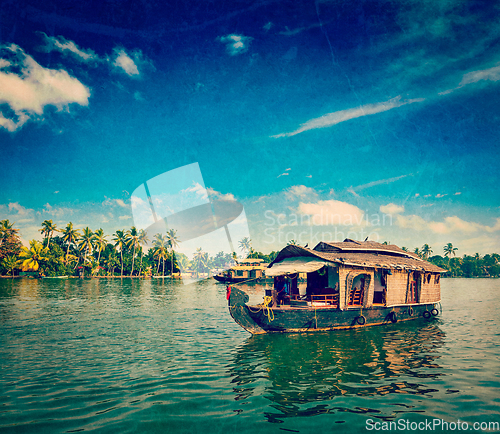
[240,313]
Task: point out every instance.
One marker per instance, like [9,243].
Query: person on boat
[281,290]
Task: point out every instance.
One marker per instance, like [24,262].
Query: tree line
[69,251]
[465,266]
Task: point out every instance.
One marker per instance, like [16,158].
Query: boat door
[413,287]
[380,287]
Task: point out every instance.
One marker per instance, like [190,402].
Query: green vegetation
[466,266]
[74,252]
[89,253]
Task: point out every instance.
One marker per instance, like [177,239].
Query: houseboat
[349,284]
[250,269]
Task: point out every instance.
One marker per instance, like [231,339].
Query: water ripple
[144,356]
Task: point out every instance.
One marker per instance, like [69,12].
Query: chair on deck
[356,297]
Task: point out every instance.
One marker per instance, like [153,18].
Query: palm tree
[417,252]
[292,243]
[10,263]
[245,245]
[30,258]
[449,250]
[426,251]
[70,236]
[161,251]
[143,240]
[86,243]
[94,267]
[111,262]
[10,243]
[183,263]
[100,243]
[48,228]
[173,242]
[120,242]
[132,237]
[6,230]
[200,261]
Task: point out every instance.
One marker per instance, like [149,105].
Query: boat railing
[332,299]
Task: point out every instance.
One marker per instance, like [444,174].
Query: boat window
[380,287]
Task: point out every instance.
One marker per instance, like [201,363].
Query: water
[153,356]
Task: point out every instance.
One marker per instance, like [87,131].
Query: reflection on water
[307,372]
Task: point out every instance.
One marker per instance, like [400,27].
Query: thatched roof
[368,254]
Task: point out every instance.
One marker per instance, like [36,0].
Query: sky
[326,120]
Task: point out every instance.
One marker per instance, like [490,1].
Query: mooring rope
[265,308]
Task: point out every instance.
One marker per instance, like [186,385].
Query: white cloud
[392,208]
[332,212]
[375,183]
[27,88]
[19,209]
[300,191]
[335,118]
[114,202]
[448,225]
[125,63]
[411,222]
[198,190]
[121,203]
[235,44]
[17,213]
[68,47]
[490,74]
[283,174]
[482,243]
[214,194]
[124,217]
[56,211]
[129,63]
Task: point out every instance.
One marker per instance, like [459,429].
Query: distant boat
[162,277]
[349,284]
[246,269]
[55,277]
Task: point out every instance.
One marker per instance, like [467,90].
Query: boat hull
[223,279]
[286,319]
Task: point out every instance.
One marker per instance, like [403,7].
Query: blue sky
[324,119]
